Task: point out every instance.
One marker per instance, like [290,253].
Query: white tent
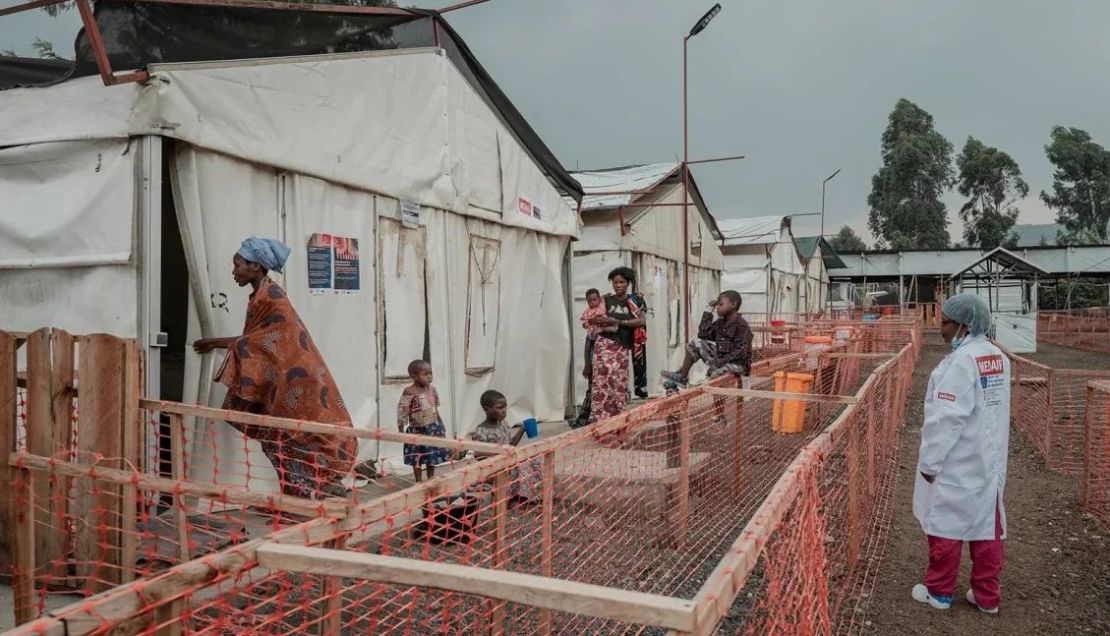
[762,263]
[122,207]
[1008,283]
[648,201]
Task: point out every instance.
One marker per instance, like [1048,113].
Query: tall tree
[991,180]
[846,240]
[1080,186]
[906,210]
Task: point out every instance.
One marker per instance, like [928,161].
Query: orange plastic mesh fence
[652,501]
[1095,485]
[1081,329]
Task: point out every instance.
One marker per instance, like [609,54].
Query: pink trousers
[987,558]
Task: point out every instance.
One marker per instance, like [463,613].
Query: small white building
[1009,283]
[763,264]
[634,218]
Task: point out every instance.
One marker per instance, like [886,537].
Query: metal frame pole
[685,192]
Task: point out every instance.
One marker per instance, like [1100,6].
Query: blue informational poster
[346,264]
[319,263]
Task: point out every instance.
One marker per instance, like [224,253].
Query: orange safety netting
[1095,485]
[1080,328]
[658,502]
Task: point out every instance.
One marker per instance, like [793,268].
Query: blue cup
[531,427]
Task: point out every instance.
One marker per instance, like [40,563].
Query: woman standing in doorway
[274,368]
[612,350]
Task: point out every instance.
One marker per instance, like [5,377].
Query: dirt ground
[1068,358]
[1056,580]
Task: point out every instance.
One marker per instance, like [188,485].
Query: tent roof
[807,247]
[759,230]
[1013,266]
[138,34]
[633,182]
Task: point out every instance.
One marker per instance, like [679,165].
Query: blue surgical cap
[970,310]
[269,253]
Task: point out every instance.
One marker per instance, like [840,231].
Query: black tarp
[138,34]
[29,71]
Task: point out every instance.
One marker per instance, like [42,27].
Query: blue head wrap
[268,253]
[971,310]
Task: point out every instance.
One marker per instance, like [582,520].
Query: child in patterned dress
[418,414]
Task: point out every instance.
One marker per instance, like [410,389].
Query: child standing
[724,344]
[418,414]
[595,307]
[525,480]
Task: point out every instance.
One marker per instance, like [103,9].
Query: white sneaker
[971,599]
[921,594]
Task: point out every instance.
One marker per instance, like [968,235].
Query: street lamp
[823,183]
[698,28]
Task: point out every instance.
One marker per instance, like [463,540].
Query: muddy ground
[1057,575]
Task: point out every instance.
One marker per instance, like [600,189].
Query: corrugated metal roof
[626,179]
[758,230]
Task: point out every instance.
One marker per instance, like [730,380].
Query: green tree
[991,180]
[1080,186]
[846,240]
[906,210]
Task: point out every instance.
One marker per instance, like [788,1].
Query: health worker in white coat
[961,467]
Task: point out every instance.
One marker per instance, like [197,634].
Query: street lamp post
[698,28]
[823,184]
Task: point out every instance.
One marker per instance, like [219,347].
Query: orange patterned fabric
[276,369]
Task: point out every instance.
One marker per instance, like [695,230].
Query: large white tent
[634,218]
[122,207]
[762,263]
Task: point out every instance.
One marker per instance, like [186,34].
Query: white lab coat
[965,443]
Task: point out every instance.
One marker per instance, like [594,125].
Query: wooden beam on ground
[782,395]
[225,494]
[527,589]
[304,426]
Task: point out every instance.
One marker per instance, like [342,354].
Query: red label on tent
[989,365]
[524,206]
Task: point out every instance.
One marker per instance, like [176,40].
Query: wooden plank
[682,530]
[228,494]
[23,545]
[331,610]
[783,395]
[131,430]
[500,548]
[177,473]
[547,538]
[49,438]
[849,354]
[526,589]
[305,426]
[99,435]
[8,424]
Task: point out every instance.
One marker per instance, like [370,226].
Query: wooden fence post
[23,545]
[500,550]
[547,538]
[100,436]
[49,434]
[738,451]
[8,413]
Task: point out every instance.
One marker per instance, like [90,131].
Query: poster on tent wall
[319,263]
[346,265]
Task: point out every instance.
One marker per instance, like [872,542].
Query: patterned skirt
[418,455]
[609,388]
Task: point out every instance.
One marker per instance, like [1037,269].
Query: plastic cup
[531,427]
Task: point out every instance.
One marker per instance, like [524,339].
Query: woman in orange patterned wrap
[275,369]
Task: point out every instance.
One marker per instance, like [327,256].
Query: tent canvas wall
[762,263]
[652,245]
[99,181]
[817,258]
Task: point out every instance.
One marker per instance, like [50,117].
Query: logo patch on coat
[990,365]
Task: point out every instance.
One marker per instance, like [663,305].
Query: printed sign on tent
[410,214]
[319,263]
[346,265]
[524,206]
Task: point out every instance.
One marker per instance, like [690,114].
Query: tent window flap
[483,304]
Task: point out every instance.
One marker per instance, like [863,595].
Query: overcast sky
[801,87]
